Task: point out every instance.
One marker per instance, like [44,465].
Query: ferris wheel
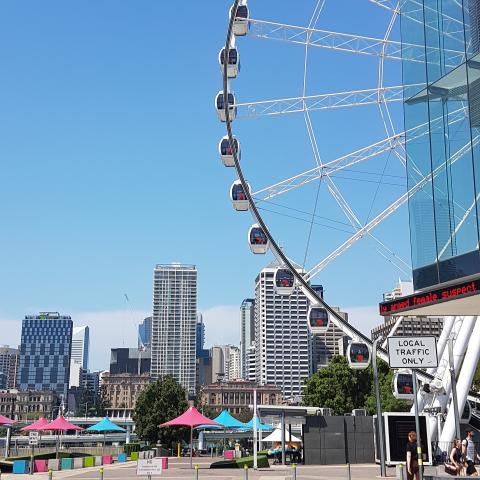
[373,156]
[324,179]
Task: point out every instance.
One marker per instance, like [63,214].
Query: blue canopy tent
[227,421]
[260,425]
[103,426]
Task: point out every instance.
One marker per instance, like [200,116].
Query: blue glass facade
[45,351]
[441,75]
[145,333]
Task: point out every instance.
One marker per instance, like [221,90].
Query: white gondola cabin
[240,24]
[233,64]
[284,281]
[257,240]
[358,355]
[238,196]
[318,320]
[403,385]
[226,151]
[220,106]
[467,413]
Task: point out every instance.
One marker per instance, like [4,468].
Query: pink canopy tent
[36,426]
[61,425]
[6,421]
[191,418]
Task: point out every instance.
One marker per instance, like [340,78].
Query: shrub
[262,462]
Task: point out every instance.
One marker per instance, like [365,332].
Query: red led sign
[428,298]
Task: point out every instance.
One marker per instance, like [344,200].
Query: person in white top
[469,454]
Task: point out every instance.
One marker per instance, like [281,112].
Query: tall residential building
[251,368]
[247,332]
[9,362]
[145,333]
[45,351]
[281,335]
[174,323]
[326,345]
[233,363]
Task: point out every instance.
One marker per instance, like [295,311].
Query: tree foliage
[160,402]
[337,387]
[476,379]
[343,389]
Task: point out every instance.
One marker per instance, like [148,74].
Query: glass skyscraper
[441,76]
[45,351]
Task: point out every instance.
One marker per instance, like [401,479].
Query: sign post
[414,352]
[33,442]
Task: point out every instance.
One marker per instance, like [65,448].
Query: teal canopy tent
[103,426]
[260,425]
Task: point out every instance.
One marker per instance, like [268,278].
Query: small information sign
[412,352]
[149,466]
[33,438]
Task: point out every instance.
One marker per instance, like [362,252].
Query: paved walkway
[180,469]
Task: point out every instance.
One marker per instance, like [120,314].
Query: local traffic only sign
[412,352]
[149,466]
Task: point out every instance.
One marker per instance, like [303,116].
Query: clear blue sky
[109,159]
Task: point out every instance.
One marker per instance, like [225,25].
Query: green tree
[160,402]
[387,399]
[338,387]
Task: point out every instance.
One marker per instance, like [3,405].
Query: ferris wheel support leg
[464,382]
[459,349]
[451,327]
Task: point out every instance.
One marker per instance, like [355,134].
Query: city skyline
[103,226]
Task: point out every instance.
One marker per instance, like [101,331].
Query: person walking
[413,471]
[470,454]
[454,466]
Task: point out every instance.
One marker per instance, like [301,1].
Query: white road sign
[149,466]
[33,438]
[412,352]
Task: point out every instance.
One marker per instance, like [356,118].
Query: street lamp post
[381,441]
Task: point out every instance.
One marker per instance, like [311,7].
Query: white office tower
[218,363]
[282,337]
[81,346]
[174,322]
[79,356]
[247,333]
[234,363]
[401,289]
[251,364]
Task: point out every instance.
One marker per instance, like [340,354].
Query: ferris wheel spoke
[387,4]
[333,166]
[344,42]
[362,232]
[353,98]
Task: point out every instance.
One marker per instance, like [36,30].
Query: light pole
[381,441]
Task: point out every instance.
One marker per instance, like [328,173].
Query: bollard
[196,472]
[294,468]
[50,474]
[101,473]
[400,471]
[245,471]
[349,472]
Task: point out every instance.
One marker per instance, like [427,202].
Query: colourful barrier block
[164,463]
[20,466]
[89,462]
[122,457]
[229,454]
[66,463]
[53,464]
[98,460]
[78,462]
[134,456]
[40,466]
[107,459]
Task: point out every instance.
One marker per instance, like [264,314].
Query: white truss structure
[353,98]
